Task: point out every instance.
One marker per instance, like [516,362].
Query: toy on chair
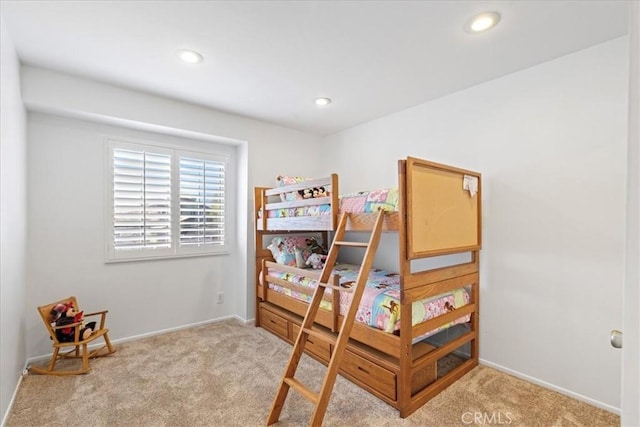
[71,337]
[65,314]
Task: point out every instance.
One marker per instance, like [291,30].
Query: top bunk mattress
[360,202]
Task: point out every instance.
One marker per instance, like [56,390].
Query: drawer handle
[272,321]
[363,370]
[309,341]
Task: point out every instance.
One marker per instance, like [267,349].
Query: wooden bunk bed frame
[436,217]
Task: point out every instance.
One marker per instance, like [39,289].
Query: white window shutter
[202,202]
[141,200]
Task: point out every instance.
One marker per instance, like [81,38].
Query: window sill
[138,258]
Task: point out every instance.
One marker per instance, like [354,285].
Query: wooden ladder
[321,399]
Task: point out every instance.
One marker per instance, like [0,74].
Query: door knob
[616,339]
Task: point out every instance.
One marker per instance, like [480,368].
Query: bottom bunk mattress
[380,304]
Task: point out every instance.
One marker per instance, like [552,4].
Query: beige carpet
[226,374]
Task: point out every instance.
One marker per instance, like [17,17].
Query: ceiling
[269,60]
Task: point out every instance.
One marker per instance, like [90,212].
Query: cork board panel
[442,217]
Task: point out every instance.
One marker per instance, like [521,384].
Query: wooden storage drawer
[276,324]
[370,374]
[315,345]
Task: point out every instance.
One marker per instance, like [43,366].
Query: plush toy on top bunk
[320,192]
[312,193]
[307,193]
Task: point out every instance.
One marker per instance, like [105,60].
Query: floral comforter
[362,202]
[379,306]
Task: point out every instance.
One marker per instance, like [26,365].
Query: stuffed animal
[56,313]
[307,193]
[320,192]
[65,314]
[315,261]
[302,254]
[315,247]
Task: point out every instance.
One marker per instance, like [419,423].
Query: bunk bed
[438,212]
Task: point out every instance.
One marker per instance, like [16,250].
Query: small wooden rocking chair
[77,349]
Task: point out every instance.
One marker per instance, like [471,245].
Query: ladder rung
[302,389]
[352,244]
[324,336]
[336,288]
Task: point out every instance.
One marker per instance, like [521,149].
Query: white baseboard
[13,398]
[553,387]
[247,321]
[177,328]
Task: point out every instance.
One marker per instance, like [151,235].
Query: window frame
[176,250]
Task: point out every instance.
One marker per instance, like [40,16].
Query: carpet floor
[226,374]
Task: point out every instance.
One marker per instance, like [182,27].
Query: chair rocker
[76,349]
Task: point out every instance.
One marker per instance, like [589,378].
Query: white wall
[631,347]
[13,225]
[66,127]
[550,142]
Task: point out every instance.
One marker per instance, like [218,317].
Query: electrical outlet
[220,297]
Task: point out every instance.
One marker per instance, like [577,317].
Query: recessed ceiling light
[323,101]
[190,56]
[483,22]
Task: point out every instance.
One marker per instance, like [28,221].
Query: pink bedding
[379,306]
[362,202]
